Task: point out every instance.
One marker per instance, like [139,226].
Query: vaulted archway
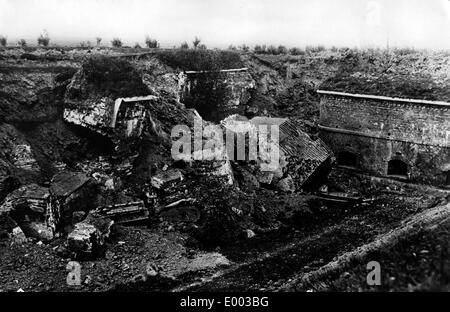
[397,167]
[347,159]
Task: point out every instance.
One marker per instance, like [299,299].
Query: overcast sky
[414,23]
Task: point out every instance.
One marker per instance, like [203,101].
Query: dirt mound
[417,75]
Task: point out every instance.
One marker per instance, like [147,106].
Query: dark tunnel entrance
[398,168]
[347,159]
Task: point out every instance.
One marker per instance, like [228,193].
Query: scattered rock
[166,179]
[250,233]
[18,236]
[286,184]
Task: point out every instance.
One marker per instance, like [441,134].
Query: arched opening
[347,159]
[397,167]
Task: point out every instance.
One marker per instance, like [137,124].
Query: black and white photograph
[245,148]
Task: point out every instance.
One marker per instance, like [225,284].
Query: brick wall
[379,129]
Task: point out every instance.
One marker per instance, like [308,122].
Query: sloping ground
[412,257]
[269,261]
[416,75]
[315,242]
[134,254]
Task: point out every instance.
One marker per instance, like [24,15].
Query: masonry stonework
[382,133]
[216,94]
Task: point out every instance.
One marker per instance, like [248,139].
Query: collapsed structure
[134,177]
[405,139]
[216,94]
[302,163]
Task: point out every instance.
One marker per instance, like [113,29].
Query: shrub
[196,42]
[282,50]
[202,47]
[232,47]
[85,44]
[22,43]
[315,49]
[113,77]
[116,43]
[98,39]
[296,51]
[244,48]
[258,49]
[137,46]
[404,51]
[3,41]
[151,43]
[272,50]
[43,39]
[184,45]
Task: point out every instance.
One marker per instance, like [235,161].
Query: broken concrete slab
[18,236]
[10,230]
[18,164]
[122,213]
[72,191]
[23,158]
[96,117]
[28,199]
[30,207]
[88,237]
[166,179]
[38,230]
[304,160]
[116,119]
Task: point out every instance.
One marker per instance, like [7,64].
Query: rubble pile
[303,162]
[17,161]
[72,192]
[30,207]
[130,174]
[42,211]
[88,237]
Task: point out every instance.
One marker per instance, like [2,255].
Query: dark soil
[419,263]
[275,258]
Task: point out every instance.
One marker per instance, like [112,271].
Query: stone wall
[378,130]
[216,94]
